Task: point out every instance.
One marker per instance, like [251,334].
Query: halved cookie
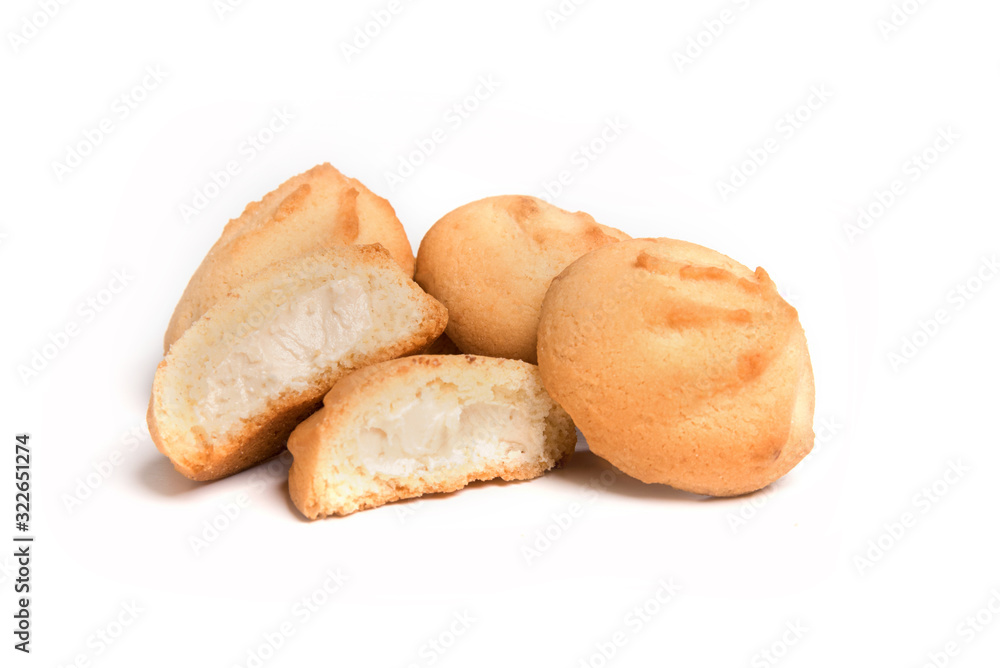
[320,208]
[257,363]
[423,424]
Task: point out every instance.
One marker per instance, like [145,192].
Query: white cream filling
[303,336]
[428,434]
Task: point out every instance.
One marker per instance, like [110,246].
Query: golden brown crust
[318,446]
[320,208]
[679,365]
[490,262]
[200,457]
[263,438]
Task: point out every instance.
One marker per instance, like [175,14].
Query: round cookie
[491,261]
[679,365]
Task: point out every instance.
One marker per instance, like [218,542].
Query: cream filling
[426,435]
[303,337]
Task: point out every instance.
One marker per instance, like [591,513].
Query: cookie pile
[310,326]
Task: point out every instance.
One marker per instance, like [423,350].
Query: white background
[747,568]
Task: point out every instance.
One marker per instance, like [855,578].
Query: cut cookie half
[423,424]
[320,208]
[258,362]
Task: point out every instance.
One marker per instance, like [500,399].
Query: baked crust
[201,456]
[320,208]
[322,446]
[679,365]
[491,261]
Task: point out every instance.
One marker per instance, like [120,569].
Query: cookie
[679,365]
[318,209]
[490,263]
[260,360]
[425,424]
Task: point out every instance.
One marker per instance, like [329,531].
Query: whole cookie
[679,365]
[491,261]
